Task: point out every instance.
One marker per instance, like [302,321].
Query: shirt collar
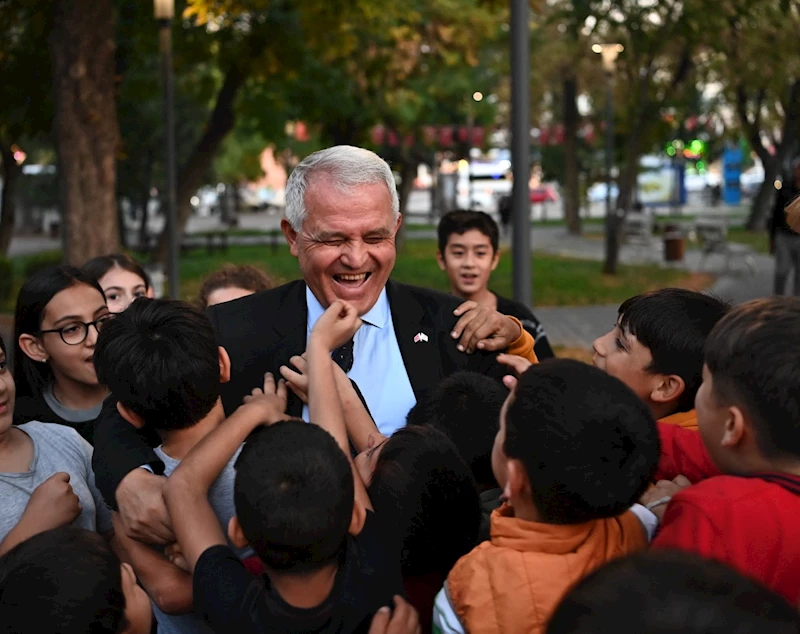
[377,316]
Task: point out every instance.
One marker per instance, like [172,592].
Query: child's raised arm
[186,493]
[336,326]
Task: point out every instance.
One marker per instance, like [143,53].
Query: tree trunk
[11,172]
[85,126]
[572,209]
[190,176]
[762,201]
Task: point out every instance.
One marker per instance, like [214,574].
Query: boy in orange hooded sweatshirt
[656,349]
[576,448]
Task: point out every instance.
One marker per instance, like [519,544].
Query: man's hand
[142,511]
[659,495]
[269,402]
[404,619]
[337,326]
[517,364]
[174,553]
[483,328]
[52,504]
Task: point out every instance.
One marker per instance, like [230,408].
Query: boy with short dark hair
[747,412]
[161,361]
[466,406]
[67,580]
[656,349]
[469,250]
[299,503]
[576,448]
[670,592]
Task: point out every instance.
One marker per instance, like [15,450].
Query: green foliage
[40,261]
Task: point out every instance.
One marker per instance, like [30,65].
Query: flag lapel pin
[420,336]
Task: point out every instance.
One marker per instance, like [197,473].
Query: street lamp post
[164,11]
[476,97]
[609,53]
[520,151]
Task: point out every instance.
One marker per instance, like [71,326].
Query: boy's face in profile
[499,458]
[468,260]
[620,354]
[712,416]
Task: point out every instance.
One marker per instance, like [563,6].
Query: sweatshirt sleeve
[445,620]
[522,346]
[683,453]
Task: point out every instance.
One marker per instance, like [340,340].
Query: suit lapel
[417,339]
[291,326]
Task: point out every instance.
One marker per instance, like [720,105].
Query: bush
[40,261]
[6,280]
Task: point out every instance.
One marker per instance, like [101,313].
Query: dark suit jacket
[262,331]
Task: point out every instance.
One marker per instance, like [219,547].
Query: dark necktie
[343,356]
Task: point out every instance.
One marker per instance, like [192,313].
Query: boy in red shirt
[748,411]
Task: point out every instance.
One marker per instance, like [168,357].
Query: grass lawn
[758,240]
[557,281]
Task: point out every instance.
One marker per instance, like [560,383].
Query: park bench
[712,234]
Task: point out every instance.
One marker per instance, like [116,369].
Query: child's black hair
[65,580]
[294,496]
[160,359]
[33,378]
[752,356]
[460,221]
[673,324]
[466,406]
[589,445]
[671,592]
[426,493]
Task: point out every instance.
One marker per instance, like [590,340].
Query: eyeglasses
[75,333]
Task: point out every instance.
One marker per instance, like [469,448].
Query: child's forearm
[208,458]
[358,422]
[324,404]
[168,586]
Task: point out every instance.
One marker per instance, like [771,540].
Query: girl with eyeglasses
[59,312]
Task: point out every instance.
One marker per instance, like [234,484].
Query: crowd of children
[656,491]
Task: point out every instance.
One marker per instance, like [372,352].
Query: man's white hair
[345,167]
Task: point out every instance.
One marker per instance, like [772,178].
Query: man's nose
[597,346]
[355,255]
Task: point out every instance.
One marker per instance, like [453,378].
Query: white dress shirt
[378,367]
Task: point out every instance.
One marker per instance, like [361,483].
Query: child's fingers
[300,364]
[510,381]
[380,622]
[280,391]
[518,364]
[269,383]
[292,376]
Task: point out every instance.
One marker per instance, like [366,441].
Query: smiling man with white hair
[342,218]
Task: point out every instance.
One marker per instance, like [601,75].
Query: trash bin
[673,243]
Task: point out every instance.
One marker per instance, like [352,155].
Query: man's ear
[132,417]
[33,348]
[440,260]
[224,366]
[358,518]
[737,426]
[235,533]
[291,236]
[669,388]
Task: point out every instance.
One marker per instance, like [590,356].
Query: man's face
[468,260]
[346,247]
[620,354]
